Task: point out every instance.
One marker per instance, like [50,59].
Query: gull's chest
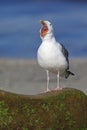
[47,51]
[49,55]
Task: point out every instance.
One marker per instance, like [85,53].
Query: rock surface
[60,110]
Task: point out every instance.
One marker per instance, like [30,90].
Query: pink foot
[58,88]
[48,90]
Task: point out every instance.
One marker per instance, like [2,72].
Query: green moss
[5,115]
[61,110]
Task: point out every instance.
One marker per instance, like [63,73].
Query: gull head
[46,28]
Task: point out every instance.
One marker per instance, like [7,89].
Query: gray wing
[66,54]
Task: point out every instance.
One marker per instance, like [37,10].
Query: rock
[60,110]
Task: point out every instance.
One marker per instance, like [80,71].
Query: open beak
[44,28]
[42,22]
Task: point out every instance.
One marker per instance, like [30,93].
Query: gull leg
[58,82]
[47,90]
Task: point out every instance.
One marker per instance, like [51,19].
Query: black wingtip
[68,73]
[71,73]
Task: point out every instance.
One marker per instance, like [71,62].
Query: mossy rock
[60,110]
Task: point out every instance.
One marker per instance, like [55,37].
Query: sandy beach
[25,76]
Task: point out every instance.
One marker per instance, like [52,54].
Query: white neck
[49,36]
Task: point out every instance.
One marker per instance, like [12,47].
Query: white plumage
[51,55]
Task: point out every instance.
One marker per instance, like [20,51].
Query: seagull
[51,55]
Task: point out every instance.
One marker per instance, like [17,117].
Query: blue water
[19,27]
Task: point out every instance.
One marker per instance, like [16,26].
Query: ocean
[19,26]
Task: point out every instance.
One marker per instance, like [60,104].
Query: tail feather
[68,73]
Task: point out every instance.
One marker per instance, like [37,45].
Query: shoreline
[25,76]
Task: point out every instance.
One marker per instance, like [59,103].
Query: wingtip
[68,73]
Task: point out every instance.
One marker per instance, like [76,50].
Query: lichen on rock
[60,110]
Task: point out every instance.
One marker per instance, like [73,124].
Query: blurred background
[19,41]
[19,26]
